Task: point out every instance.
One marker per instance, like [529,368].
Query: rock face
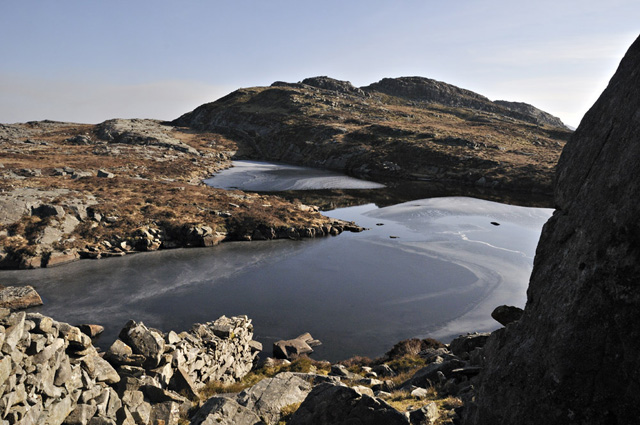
[574,356]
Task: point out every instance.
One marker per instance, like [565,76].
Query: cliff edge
[574,357]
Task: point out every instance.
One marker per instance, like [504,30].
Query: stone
[467,343]
[384,371]
[420,393]
[105,174]
[13,334]
[120,353]
[81,414]
[224,411]
[100,369]
[167,413]
[428,375]
[343,372]
[91,330]
[573,355]
[290,349]
[329,404]
[361,389]
[427,415]
[269,396]
[76,339]
[19,297]
[506,314]
[143,341]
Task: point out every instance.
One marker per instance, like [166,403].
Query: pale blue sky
[88,61]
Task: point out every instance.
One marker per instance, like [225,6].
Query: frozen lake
[269,177]
[432,267]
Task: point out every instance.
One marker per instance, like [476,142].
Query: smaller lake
[256,176]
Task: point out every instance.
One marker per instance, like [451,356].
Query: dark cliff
[574,357]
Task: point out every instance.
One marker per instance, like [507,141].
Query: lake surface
[433,267]
[261,176]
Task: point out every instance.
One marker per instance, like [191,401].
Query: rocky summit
[409,128]
[574,355]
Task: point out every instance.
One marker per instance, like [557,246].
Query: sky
[89,61]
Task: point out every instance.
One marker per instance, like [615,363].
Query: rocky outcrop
[574,356]
[420,89]
[141,132]
[332,84]
[540,116]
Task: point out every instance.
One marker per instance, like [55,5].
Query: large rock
[269,396]
[574,356]
[224,411]
[329,404]
[17,297]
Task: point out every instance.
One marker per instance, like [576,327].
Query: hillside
[409,128]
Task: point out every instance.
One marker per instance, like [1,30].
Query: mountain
[409,128]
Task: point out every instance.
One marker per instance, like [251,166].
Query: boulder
[291,349]
[269,396]
[573,357]
[224,411]
[91,330]
[329,404]
[506,314]
[19,297]
[143,341]
[426,415]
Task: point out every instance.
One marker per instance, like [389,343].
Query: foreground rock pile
[50,373]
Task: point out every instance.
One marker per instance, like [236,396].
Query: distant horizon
[87,62]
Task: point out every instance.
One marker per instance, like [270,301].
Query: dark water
[434,267]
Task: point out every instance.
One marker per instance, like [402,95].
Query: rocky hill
[402,128]
[574,356]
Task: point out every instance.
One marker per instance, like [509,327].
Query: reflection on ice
[270,177]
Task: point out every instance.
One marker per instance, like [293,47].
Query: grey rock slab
[224,411]
[329,404]
[81,414]
[269,396]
